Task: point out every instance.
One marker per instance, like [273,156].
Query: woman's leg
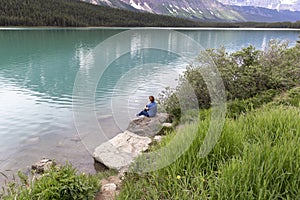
[144,112]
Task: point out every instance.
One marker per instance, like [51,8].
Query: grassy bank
[257,157]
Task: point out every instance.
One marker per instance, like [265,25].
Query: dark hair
[151,98]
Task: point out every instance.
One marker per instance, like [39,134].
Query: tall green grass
[257,157]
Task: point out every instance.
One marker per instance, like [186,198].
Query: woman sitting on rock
[150,109]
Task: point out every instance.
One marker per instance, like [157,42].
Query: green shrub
[61,183]
[170,103]
[241,106]
[289,98]
[294,95]
[246,74]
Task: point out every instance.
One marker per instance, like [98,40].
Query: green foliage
[242,106]
[294,96]
[270,158]
[63,183]
[246,57]
[245,74]
[170,102]
[289,98]
[257,157]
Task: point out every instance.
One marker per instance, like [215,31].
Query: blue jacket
[152,109]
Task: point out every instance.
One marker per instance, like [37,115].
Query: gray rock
[157,138]
[167,125]
[163,117]
[109,187]
[119,152]
[145,126]
[43,165]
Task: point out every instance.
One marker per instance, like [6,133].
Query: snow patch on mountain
[148,8]
[288,2]
[135,5]
[143,6]
[96,2]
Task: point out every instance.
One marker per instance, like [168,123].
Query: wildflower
[178,177]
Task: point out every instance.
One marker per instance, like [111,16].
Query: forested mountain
[73,13]
[76,13]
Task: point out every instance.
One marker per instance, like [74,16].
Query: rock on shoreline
[119,152]
[148,126]
[43,165]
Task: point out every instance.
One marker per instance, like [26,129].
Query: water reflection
[44,61]
[234,40]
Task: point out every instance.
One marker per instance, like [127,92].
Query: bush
[245,73]
[241,106]
[63,183]
[289,98]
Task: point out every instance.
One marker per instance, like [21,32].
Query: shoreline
[66,149]
[144,28]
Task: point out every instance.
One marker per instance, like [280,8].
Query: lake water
[39,69]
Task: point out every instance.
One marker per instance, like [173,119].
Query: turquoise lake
[38,73]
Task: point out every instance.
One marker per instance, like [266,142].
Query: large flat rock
[119,152]
[148,126]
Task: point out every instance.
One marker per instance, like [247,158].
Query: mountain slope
[259,14]
[205,10]
[195,9]
[112,3]
[292,5]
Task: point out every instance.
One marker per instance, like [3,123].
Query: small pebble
[109,187]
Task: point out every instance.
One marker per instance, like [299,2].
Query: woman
[150,109]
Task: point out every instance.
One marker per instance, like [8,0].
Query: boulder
[43,165]
[148,126]
[119,152]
